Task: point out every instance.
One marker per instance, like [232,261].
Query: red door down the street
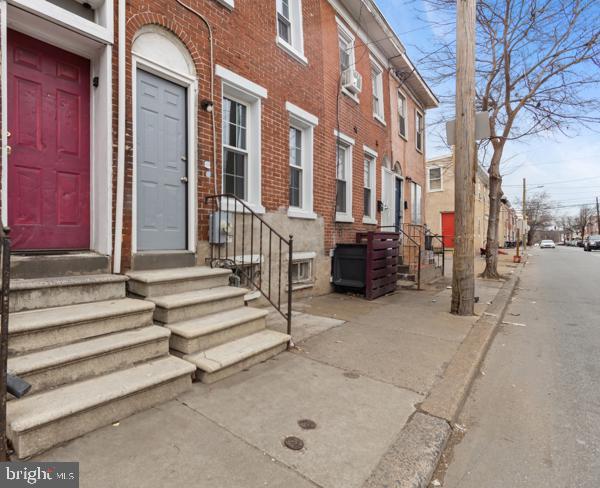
[448,229]
[49,168]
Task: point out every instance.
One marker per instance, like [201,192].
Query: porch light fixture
[207,105]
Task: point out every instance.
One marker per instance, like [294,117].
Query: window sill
[403,136]
[228,205]
[340,217]
[380,119]
[292,51]
[350,95]
[419,150]
[301,286]
[435,191]
[227,3]
[298,213]
[369,221]
[303,255]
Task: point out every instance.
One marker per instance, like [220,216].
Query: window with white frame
[346,42]
[420,130]
[377,80]
[369,189]
[296,169]
[401,114]
[343,200]
[289,26]
[301,135]
[415,195]
[235,148]
[302,271]
[435,178]
[240,138]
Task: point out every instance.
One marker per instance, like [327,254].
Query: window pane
[234,174]
[341,163]
[295,187]
[340,202]
[295,147]
[285,8]
[367,176]
[284,28]
[345,49]
[234,124]
[367,202]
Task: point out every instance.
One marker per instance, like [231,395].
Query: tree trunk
[491,246]
[463,267]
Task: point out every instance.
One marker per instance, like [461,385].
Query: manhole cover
[293,443]
[352,375]
[307,424]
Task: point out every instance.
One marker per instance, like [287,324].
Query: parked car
[592,243]
[580,243]
[547,244]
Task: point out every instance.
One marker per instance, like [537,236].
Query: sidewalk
[358,371]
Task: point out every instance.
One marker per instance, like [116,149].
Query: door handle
[183,179]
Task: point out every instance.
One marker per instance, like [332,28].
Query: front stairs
[92,355]
[210,325]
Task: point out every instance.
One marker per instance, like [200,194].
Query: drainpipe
[120,140]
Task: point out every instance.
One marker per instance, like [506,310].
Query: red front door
[448,229]
[49,168]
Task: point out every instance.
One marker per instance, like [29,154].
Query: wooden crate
[381,274]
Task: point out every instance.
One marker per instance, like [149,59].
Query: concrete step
[36,293]
[38,422]
[51,327]
[227,359]
[75,362]
[194,304]
[176,280]
[66,264]
[407,277]
[213,330]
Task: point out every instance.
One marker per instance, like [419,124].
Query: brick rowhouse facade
[248,55]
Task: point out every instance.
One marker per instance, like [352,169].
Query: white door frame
[100,56]
[190,84]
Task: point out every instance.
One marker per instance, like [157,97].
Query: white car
[547,244]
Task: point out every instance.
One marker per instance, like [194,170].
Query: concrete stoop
[92,357]
[210,326]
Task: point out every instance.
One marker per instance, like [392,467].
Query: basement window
[302,269]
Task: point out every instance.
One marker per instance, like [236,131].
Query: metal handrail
[403,246]
[440,239]
[271,290]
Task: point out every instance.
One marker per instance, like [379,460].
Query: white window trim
[295,49]
[378,112]
[441,188]
[306,122]
[301,257]
[242,90]
[349,143]
[405,114]
[348,37]
[372,154]
[414,203]
[417,113]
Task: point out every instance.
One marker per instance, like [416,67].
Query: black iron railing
[236,230]
[4,297]
[410,250]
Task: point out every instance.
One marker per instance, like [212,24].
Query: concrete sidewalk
[359,371]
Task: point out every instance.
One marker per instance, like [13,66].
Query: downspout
[121,108]
[212,88]
[4,114]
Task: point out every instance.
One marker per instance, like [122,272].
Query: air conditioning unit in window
[352,81]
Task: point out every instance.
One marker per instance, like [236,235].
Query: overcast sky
[567,167]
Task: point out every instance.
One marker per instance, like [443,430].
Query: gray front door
[161,164]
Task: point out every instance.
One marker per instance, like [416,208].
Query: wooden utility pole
[525,231]
[463,272]
[597,215]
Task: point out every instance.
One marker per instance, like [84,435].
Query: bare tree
[538,210]
[535,61]
[568,225]
[583,219]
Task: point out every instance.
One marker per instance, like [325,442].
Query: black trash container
[349,267]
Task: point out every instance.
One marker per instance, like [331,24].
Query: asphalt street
[533,416]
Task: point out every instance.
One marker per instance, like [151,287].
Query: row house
[440,201]
[123,123]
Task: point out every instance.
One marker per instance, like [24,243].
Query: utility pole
[463,272]
[597,215]
[525,231]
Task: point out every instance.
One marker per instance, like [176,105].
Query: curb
[413,457]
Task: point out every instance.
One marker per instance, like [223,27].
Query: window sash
[235,120]
[402,114]
[296,187]
[301,271]
[435,178]
[346,52]
[340,200]
[376,75]
[420,128]
[235,171]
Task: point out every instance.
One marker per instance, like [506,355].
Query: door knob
[183,179]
